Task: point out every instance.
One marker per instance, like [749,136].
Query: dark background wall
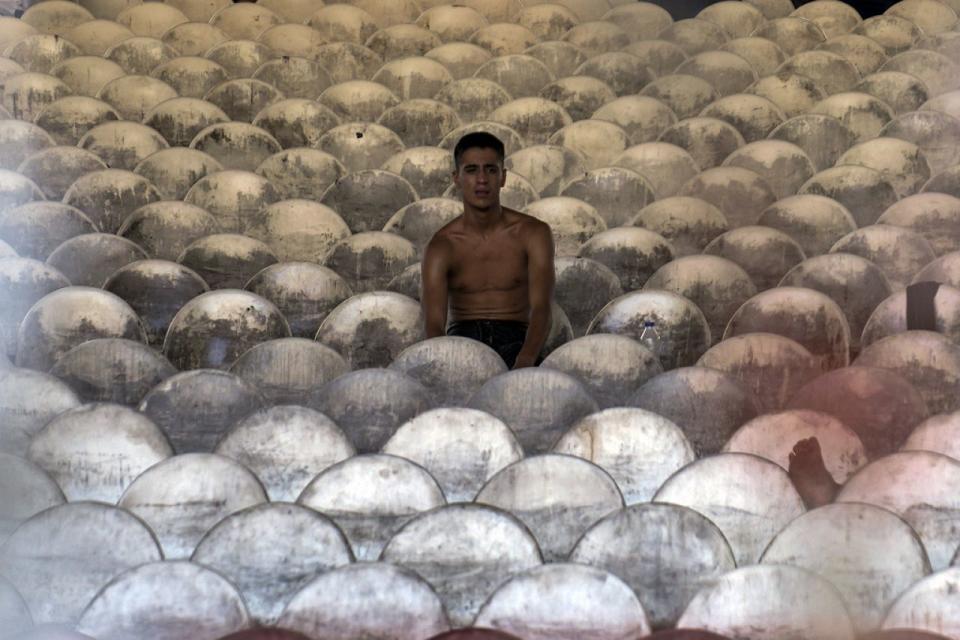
[680,9]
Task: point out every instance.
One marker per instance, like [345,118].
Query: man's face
[480,177]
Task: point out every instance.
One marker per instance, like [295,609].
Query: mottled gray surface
[928,605]
[565,602]
[938,434]
[14,614]
[418,221]
[918,486]
[371,497]
[270,552]
[35,229]
[164,229]
[367,199]
[890,316]
[773,436]
[633,253]
[25,490]
[61,558]
[600,143]
[374,145]
[557,496]
[23,281]
[935,215]
[237,145]
[708,140]
[689,224]
[227,260]
[807,316]
[464,551]
[928,360]
[196,408]
[369,405]
[571,220]
[461,448]
[666,553]
[899,252]
[95,451]
[768,602]
[286,446]
[367,600]
[537,404]
[236,199]
[166,601]
[304,292]
[750,499]
[824,138]
[741,194]
[815,222]
[868,553]
[772,367]
[66,317]
[300,229]
[285,370]
[582,288]
[684,333]
[297,121]
[215,328]
[427,169]
[452,368]
[112,370]
[864,192]
[371,329]
[28,401]
[639,449]
[902,163]
[184,496]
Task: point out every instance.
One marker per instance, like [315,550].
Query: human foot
[809,474]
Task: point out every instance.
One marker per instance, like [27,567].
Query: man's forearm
[537,331]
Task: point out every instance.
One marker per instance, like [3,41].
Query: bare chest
[497,263]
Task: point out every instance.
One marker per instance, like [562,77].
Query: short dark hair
[477,140]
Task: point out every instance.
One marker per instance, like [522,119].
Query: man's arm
[433,287]
[540,279]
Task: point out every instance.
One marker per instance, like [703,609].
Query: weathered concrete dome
[25,94]
[294,76]
[665,166]
[190,76]
[348,61]
[727,72]
[241,58]
[833,18]
[361,145]
[86,75]
[55,18]
[451,23]
[110,195]
[19,140]
[141,55]
[742,195]
[39,492]
[122,144]
[582,288]
[419,122]
[473,98]
[792,93]
[771,366]
[708,140]
[686,95]
[520,75]
[151,20]
[624,73]
[947,102]
[371,329]
[738,19]
[296,122]
[16,189]
[303,291]
[194,38]
[878,404]
[831,71]
[890,316]
[935,215]
[706,404]
[947,181]
[928,599]
[243,22]
[862,113]
[301,172]
[35,229]
[111,370]
[944,269]
[560,57]
[596,37]
[133,96]
[427,169]
[23,282]
[793,34]
[548,21]
[165,228]
[863,53]
[536,119]
[285,370]
[28,401]
[503,38]
[547,167]
[753,116]
[903,92]
[227,260]
[293,39]
[694,35]
[461,59]
[367,199]
[236,199]
[343,23]
[895,34]
[299,229]
[231,320]
[807,316]
[823,138]
[418,221]
[243,98]
[236,145]
[401,41]
[197,408]
[899,252]
[156,290]
[932,17]
[615,192]
[54,169]
[661,56]
[784,165]
[936,133]
[642,21]
[91,258]
[934,434]
[632,253]
[854,283]
[643,119]
[684,332]
[572,221]
[862,191]
[413,77]
[688,224]
[369,260]
[815,222]
[238,548]
[452,368]
[94,37]
[41,52]
[716,285]
[937,71]
[763,55]
[48,331]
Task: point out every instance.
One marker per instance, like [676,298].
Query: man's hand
[523,362]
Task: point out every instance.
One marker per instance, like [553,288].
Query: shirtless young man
[492,266]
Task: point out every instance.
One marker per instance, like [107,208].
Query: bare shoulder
[529,226]
[442,239]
